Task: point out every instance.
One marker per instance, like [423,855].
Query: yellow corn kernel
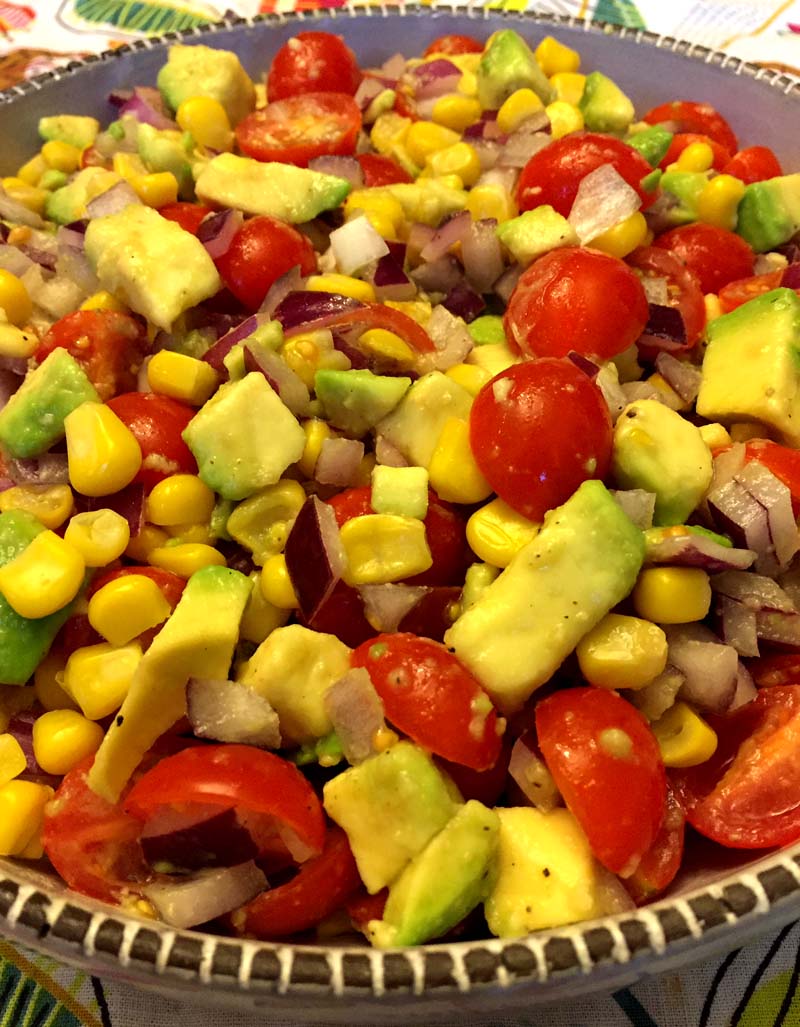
[469,377]
[180,499]
[262,522]
[672,595]
[192,533]
[45,576]
[382,343]
[61,156]
[342,285]
[418,310]
[51,505]
[98,677]
[446,181]
[622,652]
[100,536]
[555,57]
[47,680]
[28,195]
[142,545]
[14,298]
[276,585]
[521,105]
[424,138]
[384,738]
[125,607]
[491,201]
[712,305]
[12,759]
[715,435]
[157,189]
[302,354]
[206,120]
[260,617]
[32,170]
[22,806]
[102,453]
[496,533]
[129,166]
[453,473]
[16,343]
[718,203]
[696,157]
[658,381]
[382,210]
[569,86]
[185,558]
[456,112]
[623,238]
[62,738]
[103,300]
[389,131]
[384,547]
[564,118]
[19,235]
[459,159]
[684,738]
[316,431]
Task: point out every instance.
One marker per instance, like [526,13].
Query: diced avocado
[657,450]
[69,202]
[244,437]
[33,418]
[390,806]
[685,187]
[428,201]
[151,263]
[415,425]
[356,400]
[203,71]
[508,64]
[400,490]
[751,366]
[197,640]
[536,232]
[582,563]
[478,578]
[280,190]
[53,179]
[769,212]
[293,669]
[166,150]
[493,357]
[75,129]
[604,106]
[487,330]
[655,536]
[653,143]
[447,880]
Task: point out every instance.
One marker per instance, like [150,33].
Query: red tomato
[363,907]
[576,299]
[683,139]
[299,128]
[686,116]
[381,170]
[378,315]
[614,785]
[662,861]
[714,255]
[747,795]
[684,289]
[405,105]
[321,886]
[554,173]
[454,44]
[742,291]
[537,430]
[485,786]
[156,423]
[107,344]
[171,585]
[778,669]
[430,696]
[187,215]
[782,461]
[753,164]
[261,251]
[313,62]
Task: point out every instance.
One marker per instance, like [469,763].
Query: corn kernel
[672,595]
[102,452]
[382,210]
[695,157]
[459,159]
[45,576]
[418,310]
[181,377]
[61,156]
[185,558]
[126,606]
[555,57]
[456,112]
[379,342]
[47,680]
[14,299]
[62,738]
[468,376]
[388,132]
[32,170]
[569,86]
[381,548]
[564,118]
[715,435]
[100,536]
[261,617]
[128,166]
[684,738]
[157,189]
[622,652]
[12,759]
[659,382]
[276,585]
[454,474]
[491,200]
[496,533]
[713,306]
[192,533]
[262,522]
[49,504]
[316,431]
[342,285]
[16,343]
[22,806]
[28,195]
[425,138]
[521,105]
[718,203]
[180,499]
[98,677]
[103,300]
[206,120]
[149,538]
[622,238]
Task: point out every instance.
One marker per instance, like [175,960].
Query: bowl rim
[81,930]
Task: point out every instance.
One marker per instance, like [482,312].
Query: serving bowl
[718,904]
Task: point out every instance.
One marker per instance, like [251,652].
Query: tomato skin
[576,299]
[363,907]
[262,250]
[313,62]
[659,866]
[714,255]
[156,423]
[782,461]
[657,262]
[535,438]
[777,669]
[753,164]
[187,215]
[554,173]
[747,795]
[299,128]
[381,170]
[453,43]
[734,294]
[681,140]
[619,800]
[171,585]
[430,696]
[694,117]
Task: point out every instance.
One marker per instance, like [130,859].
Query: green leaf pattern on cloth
[619,12]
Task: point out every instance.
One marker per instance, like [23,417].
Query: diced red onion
[791,277]
[727,465]
[742,517]
[206,895]
[433,79]
[228,711]
[291,281]
[43,248]
[638,504]
[287,383]
[146,105]
[583,363]
[488,151]
[368,89]
[665,330]
[530,772]
[47,469]
[440,275]
[680,375]
[756,591]
[342,614]
[433,614]
[14,260]
[340,167]
[73,265]
[656,290]
[790,583]
[453,231]
[58,296]
[603,200]
[507,282]
[314,555]
[776,499]
[656,698]
[217,230]
[216,354]
[451,339]
[419,236]
[503,177]
[774,626]
[485,128]
[482,255]
[393,68]
[197,835]
[305,311]
[710,667]
[113,200]
[339,462]
[746,689]
[464,302]
[607,381]
[356,712]
[390,281]
[356,244]
[738,626]
[18,214]
[386,605]
[388,454]
[694,550]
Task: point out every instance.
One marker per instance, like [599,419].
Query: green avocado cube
[204,71]
[536,232]
[76,129]
[652,142]
[400,490]
[604,106]
[356,400]
[508,64]
[769,212]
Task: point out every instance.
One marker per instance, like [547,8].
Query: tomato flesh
[683,290]
[156,423]
[300,128]
[714,255]
[453,43]
[687,116]
[659,866]
[753,164]
[313,62]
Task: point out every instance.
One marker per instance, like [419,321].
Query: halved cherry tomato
[313,62]
[430,696]
[714,255]
[453,43]
[782,461]
[687,116]
[683,139]
[659,866]
[156,423]
[381,170]
[747,795]
[485,786]
[607,765]
[171,585]
[299,128]
[683,288]
[734,294]
[537,430]
[187,215]
[753,164]
[576,299]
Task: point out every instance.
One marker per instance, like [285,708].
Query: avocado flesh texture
[604,106]
[508,64]
[356,400]
[205,71]
[769,212]
[535,232]
[77,130]
[653,143]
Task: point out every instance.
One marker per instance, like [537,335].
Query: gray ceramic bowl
[714,908]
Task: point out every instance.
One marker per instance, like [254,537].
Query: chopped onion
[440,275]
[419,236]
[356,712]
[357,244]
[20,727]
[776,626]
[656,290]
[216,354]
[453,231]
[791,276]
[314,555]
[482,255]
[507,282]
[727,465]
[206,895]
[217,230]
[635,391]
[393,68]
[682,376]
[305,311]
[656,698]
[287,383]
[47,469]
[388,454]
[709,666]
[521,146]
[746,689]
[665,330]
[390,281]
[464,302]
[291,281]
[607,380]
[695,550]
[433,614]
[756,591]
[451,340]
[776,499]
[638,504]
[433,79]
[112,201]
[386,605]
[146,105]
[59,296]
[738,626]
[74,265]
[228,711]
[339,462]
[530,772]
[603,200]
[14,260]
[15,212]
[197,835]
[368,88]
[742,517]
[341,167]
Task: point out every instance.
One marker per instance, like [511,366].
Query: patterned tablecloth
[751,987]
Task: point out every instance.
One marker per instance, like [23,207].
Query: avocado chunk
[68,203]
[244,437]
[657,450]
[166,150]
[416,423]
[203,71]
[390,806]
[447,880]
[582,563]
[197,640]
[508,64]
[769,212]
[76,129]
[685,187]
[536,232]
[652,142]
[751,367]
[604,106]
[33,418]
[493,357]
[400,490]
[487,330]
[356,400]
[151,263]
[428,201]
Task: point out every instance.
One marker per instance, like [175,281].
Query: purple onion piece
[385,606]
[368,89]
[637,504]
[341,167]
[291,281]
[531,775]
[435,78]
[710,667]
[746,689]
[217,230]
[680,375]
[206,895]
[583,363]
[791,276]
[47,469]
[440,275]
[755,591]
[433,614]
[197,836]
[128,502]
[286,382]
[693,550]
[390,280]
[419,236]
[146,105]
[738,514]
[339,462]
[113,200]
[453,231]
[222,347]
[356,712]
[665,329]
[21,727]
[783,628]
[775,497]
[314,556]
[464,302]
[507,282]
[299,310]
[738,627]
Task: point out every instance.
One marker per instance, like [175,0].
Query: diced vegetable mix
[398,489]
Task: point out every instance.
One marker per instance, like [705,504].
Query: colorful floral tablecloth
[752,987]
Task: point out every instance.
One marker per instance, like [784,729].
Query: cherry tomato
[753,164]
[363,907]
[313,62]
[782,461]
[108,345]
[659,866]
[686,116]
[187,215]
[171,585]
[683,139]
[734,294]
[381,170]
[430,696]
[747,795]
[554,173]
[576,299]
[378,315]
[262,250]
[607,766]
[405,105]
[714,255]
[156,422]
[485,786]
[454,44]
[537,430]
[777,669]
[683,287]
[299,128]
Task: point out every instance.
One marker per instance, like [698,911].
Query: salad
[399,472]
